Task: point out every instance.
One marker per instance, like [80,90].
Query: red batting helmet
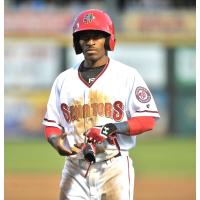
[94,19]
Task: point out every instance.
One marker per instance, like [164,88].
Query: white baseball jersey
[116,94]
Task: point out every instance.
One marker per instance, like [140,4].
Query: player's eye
[84,37]
[89,37]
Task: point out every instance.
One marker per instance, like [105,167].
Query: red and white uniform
[115,95]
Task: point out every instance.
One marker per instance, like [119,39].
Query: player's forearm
[56,138]
[135,125]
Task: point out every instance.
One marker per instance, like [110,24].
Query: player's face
[92,44]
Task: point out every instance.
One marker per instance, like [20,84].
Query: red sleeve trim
[138,125]
[50,130]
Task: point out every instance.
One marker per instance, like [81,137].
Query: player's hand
[100,134]
[57,141]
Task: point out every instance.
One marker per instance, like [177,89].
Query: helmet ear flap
[107,43]
[77,46]
[110,43]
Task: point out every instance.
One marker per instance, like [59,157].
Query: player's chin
[92,57]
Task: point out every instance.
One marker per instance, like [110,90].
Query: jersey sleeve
[52,116]
[141,101]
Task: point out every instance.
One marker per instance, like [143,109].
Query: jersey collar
[90,84]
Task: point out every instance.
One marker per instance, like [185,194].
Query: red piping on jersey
[129,178]
[147,111]
[45,119]
[50,130]
[141,124]
[85,82]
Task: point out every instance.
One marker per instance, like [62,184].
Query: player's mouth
[90,50]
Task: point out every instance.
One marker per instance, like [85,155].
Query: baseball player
[94,112]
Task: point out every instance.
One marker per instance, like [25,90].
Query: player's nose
[90,41]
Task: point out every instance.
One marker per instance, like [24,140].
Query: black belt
[119,154]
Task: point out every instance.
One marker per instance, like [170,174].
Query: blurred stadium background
[156,37]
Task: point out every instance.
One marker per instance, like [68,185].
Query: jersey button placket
[92,180]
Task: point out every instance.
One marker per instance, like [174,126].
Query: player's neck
[95,63]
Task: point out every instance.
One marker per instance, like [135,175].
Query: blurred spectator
[120,4]
[154,4]
[184,4]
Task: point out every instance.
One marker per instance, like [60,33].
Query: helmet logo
[88,18]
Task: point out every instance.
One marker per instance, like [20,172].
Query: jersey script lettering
[75,112]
